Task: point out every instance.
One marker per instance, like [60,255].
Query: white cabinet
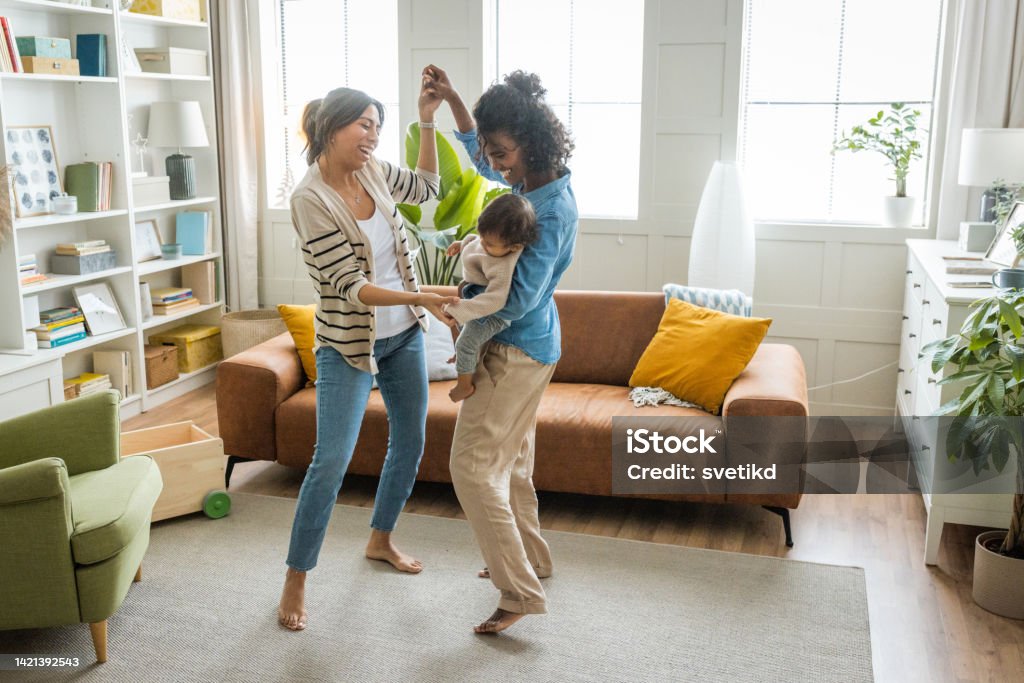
[97,119]
[933,310]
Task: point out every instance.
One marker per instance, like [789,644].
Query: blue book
[190,232]
[54,343]
[91,51]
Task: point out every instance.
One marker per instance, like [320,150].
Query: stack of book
[83,248]
[60,326]
[168,300]
[90,183]
[28,270]
[10,58]
[85,384]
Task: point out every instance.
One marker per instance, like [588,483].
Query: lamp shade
[177,124]
[991,154]
[722,249]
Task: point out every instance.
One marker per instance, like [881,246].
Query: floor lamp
[722,248]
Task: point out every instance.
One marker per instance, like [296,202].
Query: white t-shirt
[390,320]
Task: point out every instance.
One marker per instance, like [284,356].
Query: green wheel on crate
[216,504]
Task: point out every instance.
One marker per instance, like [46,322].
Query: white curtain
[986,91]
[238,111]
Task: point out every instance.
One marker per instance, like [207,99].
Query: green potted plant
[894,135]
[987,358]
[463,195]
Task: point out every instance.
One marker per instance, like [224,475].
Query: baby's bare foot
[497,622]
[461,393]
[381,548]
[291,612]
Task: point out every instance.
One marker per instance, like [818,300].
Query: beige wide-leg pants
[492,470]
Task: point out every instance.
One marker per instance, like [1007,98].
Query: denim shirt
[534,328]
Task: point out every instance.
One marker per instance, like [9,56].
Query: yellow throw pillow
[299,321]
[698,352]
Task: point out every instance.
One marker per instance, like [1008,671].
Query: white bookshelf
[96,119]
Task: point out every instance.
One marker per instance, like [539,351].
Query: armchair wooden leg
[138,575]
[99,640]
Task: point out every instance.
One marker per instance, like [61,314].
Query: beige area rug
[618,611]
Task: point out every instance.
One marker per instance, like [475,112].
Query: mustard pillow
[698,352]
[299,321]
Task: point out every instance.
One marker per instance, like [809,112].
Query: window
[326,44]
[589,56]
[816,68]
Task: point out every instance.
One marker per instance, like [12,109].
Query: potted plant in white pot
[988,359]
[894,135]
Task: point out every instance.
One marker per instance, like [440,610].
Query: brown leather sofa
[267,412]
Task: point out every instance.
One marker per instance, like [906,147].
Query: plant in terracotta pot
[893,134]
[987,360]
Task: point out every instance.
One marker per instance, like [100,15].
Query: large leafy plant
[463,195]
[987,357]
[894,135]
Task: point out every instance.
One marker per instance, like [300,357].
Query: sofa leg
[138,575]
[99,640]
[784,513]
[232,461]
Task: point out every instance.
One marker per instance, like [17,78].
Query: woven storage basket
[244,329]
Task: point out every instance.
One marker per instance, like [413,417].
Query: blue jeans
[341,396]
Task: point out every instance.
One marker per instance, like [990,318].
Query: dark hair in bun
[322,117]
[517,107]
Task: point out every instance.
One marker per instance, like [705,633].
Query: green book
[83,181]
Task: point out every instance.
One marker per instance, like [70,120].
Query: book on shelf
[34,278]
[192,231]
[63,341]
[10,57]
[86,383]
[90,183]
[118,366]
[201,279]
[165,295]
[51,315]
[85,251]
[55,334]
[58,324]
[175,307]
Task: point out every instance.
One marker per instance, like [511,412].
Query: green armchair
[74,517]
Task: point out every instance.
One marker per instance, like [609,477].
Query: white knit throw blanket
[652,396]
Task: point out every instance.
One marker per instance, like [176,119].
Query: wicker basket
[244,329]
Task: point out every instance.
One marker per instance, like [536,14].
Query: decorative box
[161,365]
[976,236]
[40,46]
[172,60]
[190,10]
[64,264]
[198,345]
[151,189]
[50,65]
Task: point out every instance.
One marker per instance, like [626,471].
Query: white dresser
[28,383]
[934,310]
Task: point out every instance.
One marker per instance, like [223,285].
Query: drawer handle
[925,302]
[915,417]
[912,335]
[931,380]
[926,448]
[916,285]
[907,391]
[910,272]
[906,317]
[899,370]
[936,321]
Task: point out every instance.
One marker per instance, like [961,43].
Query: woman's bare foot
[461,391]
[497,622]
[291,612]
[380,547]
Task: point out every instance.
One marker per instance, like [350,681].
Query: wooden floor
[924,624]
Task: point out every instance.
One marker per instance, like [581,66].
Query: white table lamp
[178,125]
[992,158]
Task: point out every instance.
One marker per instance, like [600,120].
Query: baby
[506,226]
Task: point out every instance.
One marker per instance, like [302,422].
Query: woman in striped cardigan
[370,319]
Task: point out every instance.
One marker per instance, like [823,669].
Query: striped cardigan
[339,257]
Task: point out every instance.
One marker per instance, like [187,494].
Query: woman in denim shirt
[514,138]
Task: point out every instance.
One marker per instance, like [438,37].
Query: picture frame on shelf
[128,57]
[147,240]
[34,170]
[98,305]
[1003,250]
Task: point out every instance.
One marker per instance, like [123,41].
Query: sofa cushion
[698,352]
[299,321]
[110,506]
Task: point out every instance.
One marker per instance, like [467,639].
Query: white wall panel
[613,263]
[681,167]
[853,359]
[789,272]
[686,91]
[871,276]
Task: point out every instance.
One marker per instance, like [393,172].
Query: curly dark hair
[510,218]
[517,108]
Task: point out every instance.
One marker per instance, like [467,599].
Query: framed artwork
[1003,250]
[99,307]
[35,175]
[128,57]
[147,240]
